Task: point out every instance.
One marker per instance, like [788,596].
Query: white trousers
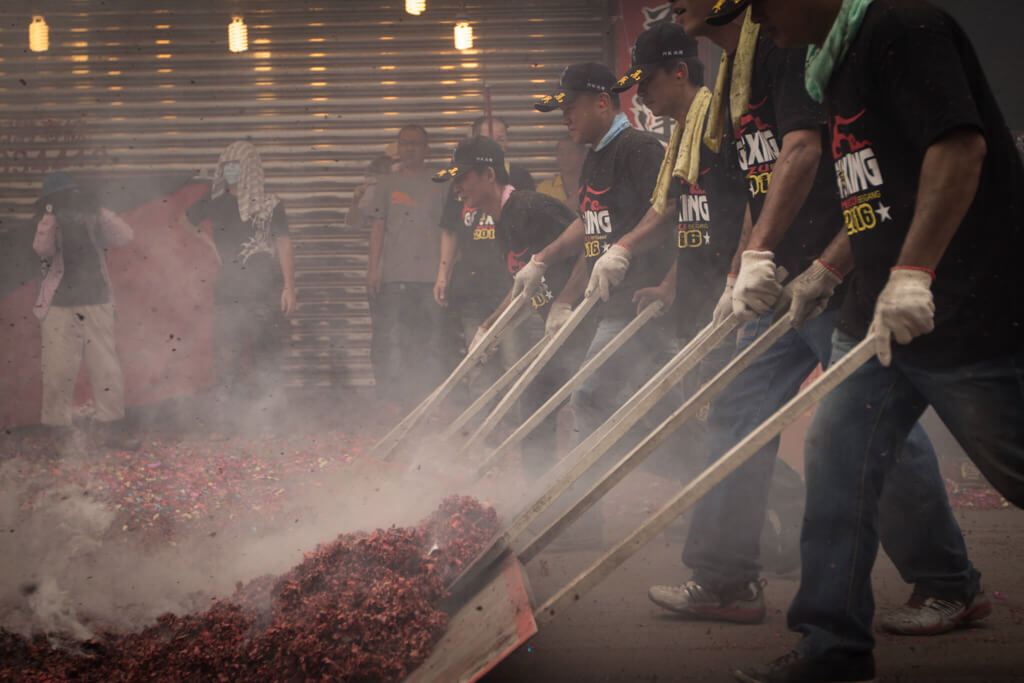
[71,334]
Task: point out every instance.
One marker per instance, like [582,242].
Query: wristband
[538,261]
[620,244]
[732,275]
[832,269]
[920,268]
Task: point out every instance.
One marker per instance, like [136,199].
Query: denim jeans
[854,458]
[406,346]
[620,376]
[722,547]
[539,450]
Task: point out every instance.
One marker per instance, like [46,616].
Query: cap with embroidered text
[472,153]
[663,43]
[576,79]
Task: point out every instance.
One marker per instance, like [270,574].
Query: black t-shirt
[779,104]
[616,185]
[82,283]
[706,240]
[529,222]
[259,276]
[478,279]
[910,76]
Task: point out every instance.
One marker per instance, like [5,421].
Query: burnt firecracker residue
[361,608]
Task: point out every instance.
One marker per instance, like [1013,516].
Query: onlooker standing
[254,249]
[565,187]
[404,254]
[358,215]
[496,128]
[76,306]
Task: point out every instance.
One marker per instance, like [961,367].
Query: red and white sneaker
[923,616]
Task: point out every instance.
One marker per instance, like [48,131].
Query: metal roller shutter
[133,88]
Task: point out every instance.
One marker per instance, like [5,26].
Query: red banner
[163,286]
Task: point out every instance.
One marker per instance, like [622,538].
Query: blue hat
[57,181]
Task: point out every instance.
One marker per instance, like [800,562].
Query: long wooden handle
[509,399]
[659,435]
[580,459]
[552,483]
[486,397]
[700,486]
[585,371]
[505,322]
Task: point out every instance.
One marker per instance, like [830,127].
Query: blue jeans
[853,458]
[722,547]
[619,377]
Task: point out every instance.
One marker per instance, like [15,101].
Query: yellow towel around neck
[682,156]
[742,65]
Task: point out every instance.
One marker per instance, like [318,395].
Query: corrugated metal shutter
[135,88]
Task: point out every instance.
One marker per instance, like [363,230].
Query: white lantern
[463,35]
[38,35]
[415,7]
[238,35]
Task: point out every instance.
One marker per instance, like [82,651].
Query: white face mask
[232,172]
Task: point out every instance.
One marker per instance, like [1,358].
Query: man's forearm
[748,226]
[576,284]
[791,182]
[650,232]
[949,180]
[838,253]
[449,248]
[566,246]
[286,255]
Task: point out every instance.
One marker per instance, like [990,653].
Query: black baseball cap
[660,44]
[472,153]
[576,79]
[725,11]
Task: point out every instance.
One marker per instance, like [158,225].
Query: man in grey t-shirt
[404,254]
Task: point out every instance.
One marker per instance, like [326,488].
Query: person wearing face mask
[75,308]
[255,284]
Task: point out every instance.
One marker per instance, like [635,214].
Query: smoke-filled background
[138,100]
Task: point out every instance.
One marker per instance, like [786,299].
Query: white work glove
[609,271]
[757,286]
[557,316]
[904,310]
[529,278]
[811,291]
[723,309]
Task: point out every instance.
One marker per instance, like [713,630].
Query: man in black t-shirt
[255,278]
[793,216]
[709,206]
[467,281]
[931,190]
[618,177]
[524,222]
